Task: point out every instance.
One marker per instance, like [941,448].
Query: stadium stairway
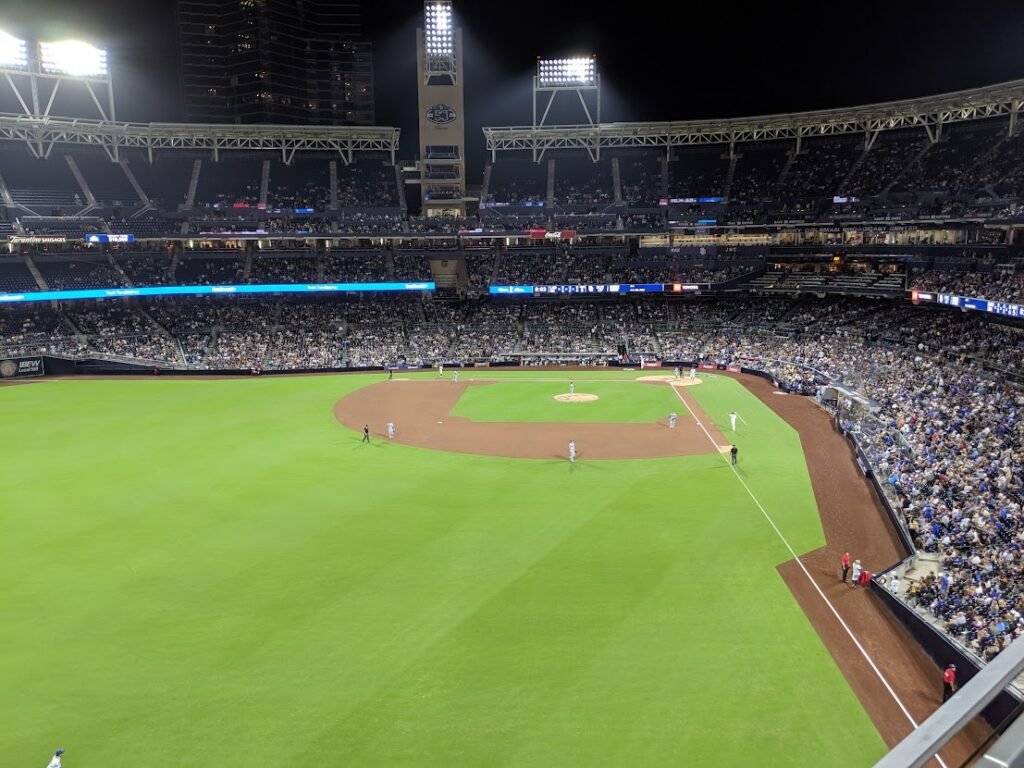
[40,281]
[729,174]
[5,194]
[899,175]
[852,170]
[791,157]
[485,187]
[75,330]
[264,183]
[617,184]
[247,269]
[193,184]
[147,204]
[402,202]
[332,167]
[117,268]
[90,199]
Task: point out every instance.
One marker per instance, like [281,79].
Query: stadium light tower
[13,52]
[576,74]
[441,165]
[37,72]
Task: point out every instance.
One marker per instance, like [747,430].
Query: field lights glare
[438,28]
[13,52]
[580,70]
[73,57]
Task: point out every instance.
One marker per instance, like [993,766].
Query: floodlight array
[13,52]
[578,71]
[75,58]
[438,32]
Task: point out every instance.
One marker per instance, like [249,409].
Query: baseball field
[221,572]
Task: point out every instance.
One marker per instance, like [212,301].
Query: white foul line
[807,573]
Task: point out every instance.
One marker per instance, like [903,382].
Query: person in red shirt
[948,682]
[865,578]
[844,561]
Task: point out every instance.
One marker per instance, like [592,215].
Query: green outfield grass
[534,400]
[216,573]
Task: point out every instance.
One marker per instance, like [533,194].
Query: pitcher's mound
[578,397]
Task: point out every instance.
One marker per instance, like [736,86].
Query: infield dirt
[421,412]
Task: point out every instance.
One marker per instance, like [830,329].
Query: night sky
[713,59]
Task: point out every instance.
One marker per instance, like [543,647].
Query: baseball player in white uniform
[894,584]
[693,373]
[572,387]
[732,420]
[677,372]
[440,370]
[391,430]
[572,451]
[455,377]
[672,420]
[55,762]
[857,568]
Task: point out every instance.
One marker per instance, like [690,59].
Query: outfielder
[391,430]
[572,451]
[732,420]
[672,420]
[55,762]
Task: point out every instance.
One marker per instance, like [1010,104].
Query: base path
[421,412]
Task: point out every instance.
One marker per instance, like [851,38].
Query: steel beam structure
[40,134]
[929,113]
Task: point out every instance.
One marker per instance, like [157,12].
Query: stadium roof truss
[40,134]
[930,113]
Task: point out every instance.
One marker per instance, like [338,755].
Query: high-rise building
[275,61]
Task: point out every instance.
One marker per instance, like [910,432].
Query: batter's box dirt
[419,408]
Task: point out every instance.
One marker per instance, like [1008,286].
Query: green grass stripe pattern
[217,573]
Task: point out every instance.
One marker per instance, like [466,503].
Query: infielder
[678,373]
[732,420]
[391,430]
[672,420]
[440,370]
[693,373]
[55,762]
[455,377]
[572,451]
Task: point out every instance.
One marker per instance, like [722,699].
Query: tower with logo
[442,158]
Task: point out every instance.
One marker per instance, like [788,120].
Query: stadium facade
[275,61]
